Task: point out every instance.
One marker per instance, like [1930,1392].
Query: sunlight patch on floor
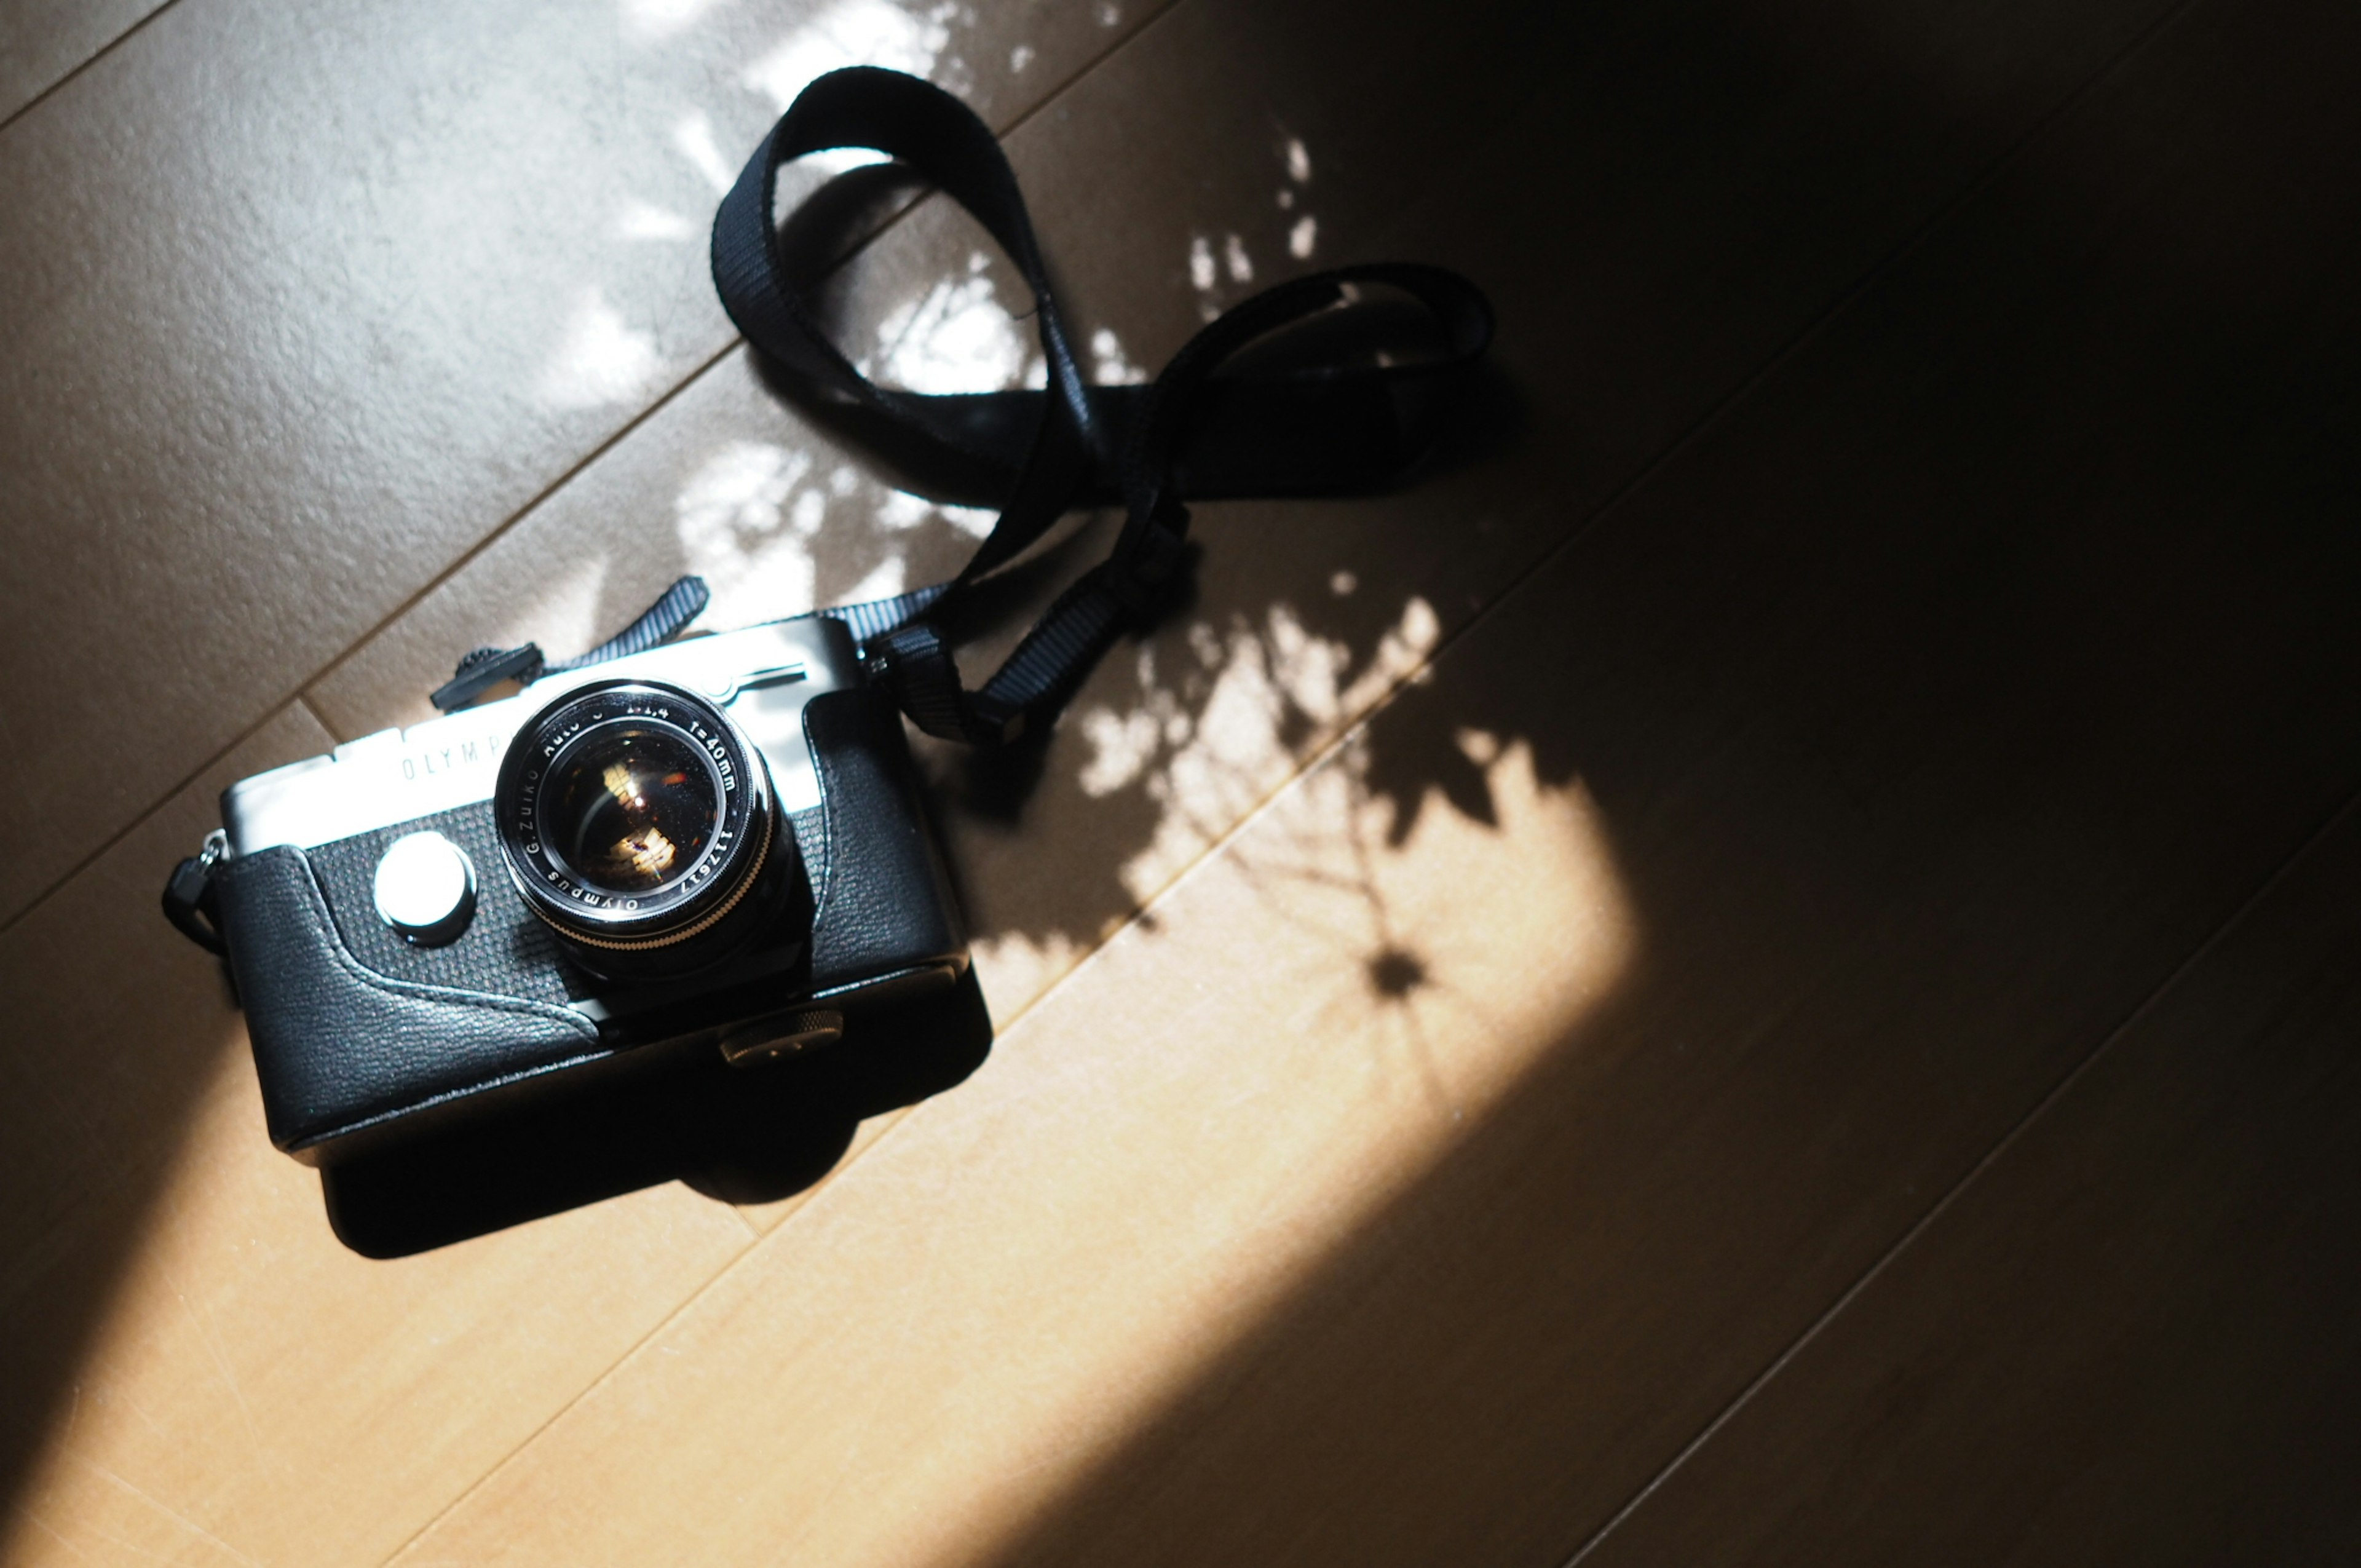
[853,32]
[1335,1013]
[600,359]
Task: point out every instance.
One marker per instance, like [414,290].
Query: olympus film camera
[714,846]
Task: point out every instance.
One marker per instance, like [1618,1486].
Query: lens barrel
[639,824]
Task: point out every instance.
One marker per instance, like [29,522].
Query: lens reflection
[630,806]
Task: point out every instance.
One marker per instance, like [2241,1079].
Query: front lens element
[635,820]
[630,805]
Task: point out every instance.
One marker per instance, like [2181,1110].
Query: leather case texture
[337,1044]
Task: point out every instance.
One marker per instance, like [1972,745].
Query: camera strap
[1336,418]
[1328,428]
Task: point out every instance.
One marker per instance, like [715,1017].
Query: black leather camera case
[359,1038]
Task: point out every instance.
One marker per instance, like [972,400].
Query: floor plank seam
[2162,992]
[303,699]
[51,91]
[1156,15]
[162,801]
[579,1395]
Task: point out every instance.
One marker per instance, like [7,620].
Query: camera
[715,846]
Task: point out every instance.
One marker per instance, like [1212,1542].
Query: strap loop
[1319,429]
[190,901]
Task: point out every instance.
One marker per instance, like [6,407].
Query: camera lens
[637,822]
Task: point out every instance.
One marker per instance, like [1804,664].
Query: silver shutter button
[425,889]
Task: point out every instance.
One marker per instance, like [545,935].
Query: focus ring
[634,818]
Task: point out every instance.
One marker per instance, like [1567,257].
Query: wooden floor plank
[306,304]
[1434,1161]
[2130,1339]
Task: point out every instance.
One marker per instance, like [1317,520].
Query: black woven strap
[1341,424]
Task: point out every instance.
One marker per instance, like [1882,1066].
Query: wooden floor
[1762,968]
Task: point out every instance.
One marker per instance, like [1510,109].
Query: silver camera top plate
[761,678]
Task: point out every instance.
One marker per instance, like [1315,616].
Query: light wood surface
[1480,989]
